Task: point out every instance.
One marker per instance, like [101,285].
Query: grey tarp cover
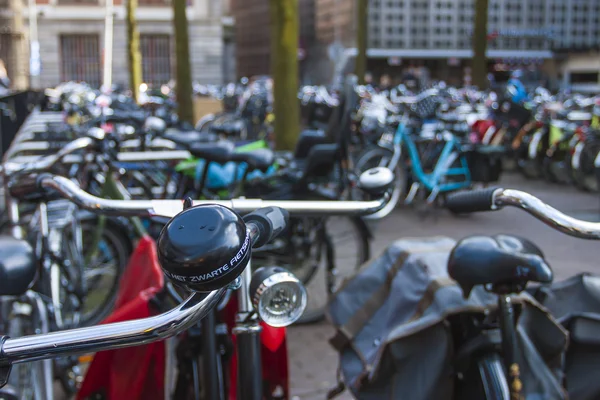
[394,339]
[575,302]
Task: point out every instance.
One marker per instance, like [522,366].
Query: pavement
[314,363]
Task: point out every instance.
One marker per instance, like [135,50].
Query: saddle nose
[501,260]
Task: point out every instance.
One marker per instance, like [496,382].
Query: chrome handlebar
[491,199]
[547,214]
[111,336]
[10,168]
[147,330]
[169,208]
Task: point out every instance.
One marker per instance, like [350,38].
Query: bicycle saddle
[259,159]
[219,152]
[17,266]
[503,261]
[228,128]
[188,138]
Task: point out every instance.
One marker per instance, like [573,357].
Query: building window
[157,2]
[80,58]
[156,58]
[78,2]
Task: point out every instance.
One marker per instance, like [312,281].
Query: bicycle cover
[575,302]
[135,372]
[394,334]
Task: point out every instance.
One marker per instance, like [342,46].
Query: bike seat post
[506,316]
[203,177]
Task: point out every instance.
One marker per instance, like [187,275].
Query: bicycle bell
[204,248]
[376,181]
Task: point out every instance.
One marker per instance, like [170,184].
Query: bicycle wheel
[584,170]
[102,274]
[28,380]
[380,157]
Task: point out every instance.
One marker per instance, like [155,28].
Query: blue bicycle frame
[435,180]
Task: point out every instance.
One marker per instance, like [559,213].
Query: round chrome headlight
[278,296]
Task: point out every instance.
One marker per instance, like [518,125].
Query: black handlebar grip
[471,200]
[271,221]
[27,187]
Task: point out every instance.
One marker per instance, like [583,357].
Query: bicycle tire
[584,176]
[315,311]
[121,245]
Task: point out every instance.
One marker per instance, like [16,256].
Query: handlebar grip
[471,200]
[271,221]
[27,187]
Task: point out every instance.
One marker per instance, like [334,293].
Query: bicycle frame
[433,181]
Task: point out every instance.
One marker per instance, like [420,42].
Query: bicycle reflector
[278,296]
[204,248]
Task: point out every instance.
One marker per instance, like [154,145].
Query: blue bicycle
[436,159]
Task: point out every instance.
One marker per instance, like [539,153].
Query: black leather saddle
[501,260]
[121,116]
[189,138]
[219,152]
[17,266]
[307,140]
[259,159]
[230,128]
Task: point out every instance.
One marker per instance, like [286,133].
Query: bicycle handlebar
[491,199]
[11,168]
[110,336]
[169,208]
[140,331]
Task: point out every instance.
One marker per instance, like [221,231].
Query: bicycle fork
[247,331]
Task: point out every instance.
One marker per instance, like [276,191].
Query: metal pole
[34,46]
[108,45]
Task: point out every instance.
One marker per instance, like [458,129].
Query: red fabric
[135,372]
[480,127]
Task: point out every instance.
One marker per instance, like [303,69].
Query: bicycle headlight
[278,296]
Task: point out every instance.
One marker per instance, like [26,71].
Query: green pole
[284,69]
[133,50]
[362,21]
[480,44]
[182,53]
